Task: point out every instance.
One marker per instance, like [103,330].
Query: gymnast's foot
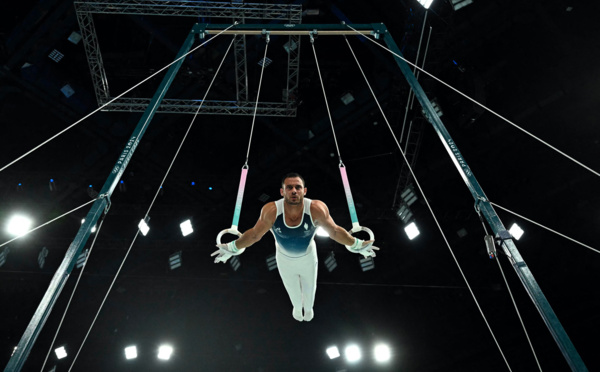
[297,313]
[309,315]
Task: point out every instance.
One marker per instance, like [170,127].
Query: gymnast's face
[293,191]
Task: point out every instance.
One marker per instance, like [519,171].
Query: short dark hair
[292,175]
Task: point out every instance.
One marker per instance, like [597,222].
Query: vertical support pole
[531,286]
[99,207]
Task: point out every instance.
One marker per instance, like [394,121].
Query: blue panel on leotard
[294,239]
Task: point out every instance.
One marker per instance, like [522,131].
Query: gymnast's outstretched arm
[322,218]
[264,223]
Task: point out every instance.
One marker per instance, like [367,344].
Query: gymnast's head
[292,175]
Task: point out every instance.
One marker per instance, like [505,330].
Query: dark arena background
[516,85]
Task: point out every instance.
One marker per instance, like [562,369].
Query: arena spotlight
[3,256]
[382,353]
[321,232]
[516,231]
[408,195]
[61,352]
[352,353]
[235,263]
[186,228]
[175,260]
[82,258]
[333,352]
[143,225]
[330,262]
[426,3]
[18,225]
[42,257]
[131,352]
[366,263]
[164,352]
[412,231]
[271,262]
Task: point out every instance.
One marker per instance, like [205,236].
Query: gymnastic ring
[227,231]
[365,229]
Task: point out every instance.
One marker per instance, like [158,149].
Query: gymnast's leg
[288,270]
[308,281]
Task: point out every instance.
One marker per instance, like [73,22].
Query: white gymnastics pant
[299,276]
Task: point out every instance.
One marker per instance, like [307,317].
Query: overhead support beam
[192,8]
[190,106]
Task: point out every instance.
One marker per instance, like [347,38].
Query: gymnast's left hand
[225,252]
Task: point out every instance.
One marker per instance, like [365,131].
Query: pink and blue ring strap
[240,198]
[353,216]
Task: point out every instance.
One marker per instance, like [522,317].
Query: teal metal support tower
[99,207]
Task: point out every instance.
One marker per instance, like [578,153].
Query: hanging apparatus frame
[379,31]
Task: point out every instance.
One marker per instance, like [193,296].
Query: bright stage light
[164,352]
[516,231]
[131,352]
[352,353]
[321,232]
[18,225]
[382,353]
[61,352]
[426,3]
[333,352]
[143,226]
[412,231]
[186,228]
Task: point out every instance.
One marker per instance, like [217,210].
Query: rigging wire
[430,209]
[147,213]
[262,70]
[72,293]
[481,105]
[188,130]
[519,315]
[511,295]
[112,100]
[544,227]
[312,43]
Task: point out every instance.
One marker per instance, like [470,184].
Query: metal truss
[188,8]
[189,106]
[92,50]
[291,13]
[293,76]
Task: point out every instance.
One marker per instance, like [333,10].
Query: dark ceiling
[532,62]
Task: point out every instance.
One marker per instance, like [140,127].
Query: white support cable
[262,70]
[519,315]
[312,42]
[544,227]
[72,294]
[112,100]
[148,212]
[431,211]
[49,222]
[104,300]
[480,105]
[188,129]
